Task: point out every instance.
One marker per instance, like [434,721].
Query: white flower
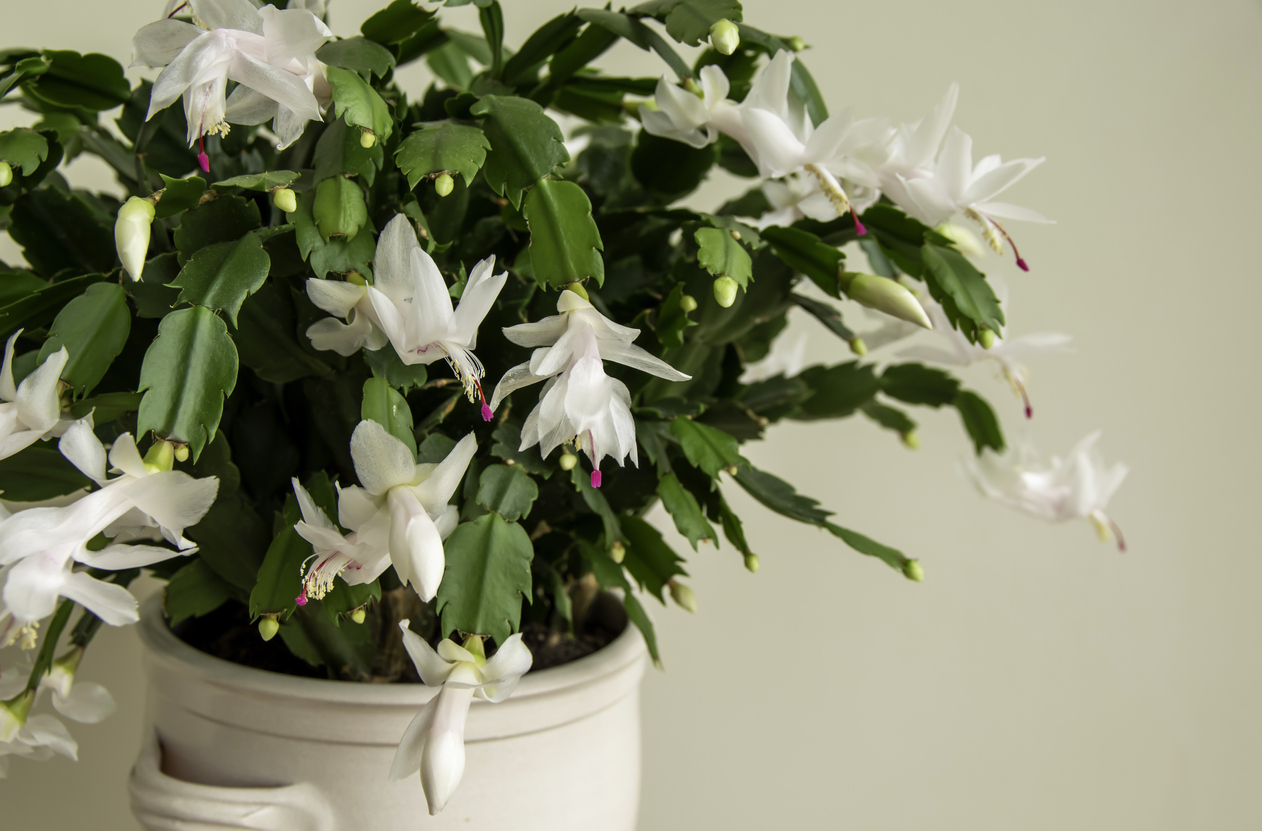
[580,403]
[35,737]
[695,120]
[42,545]
[345,300]
[81,701]
[913,149]
[786,357]
[1078,487]
[269,53]
[796,197]
[1004,351]
[413,306]
[30,410]
[131,234]
[355,558]
[956,185]
[434,742]
[38,737]
[404,503]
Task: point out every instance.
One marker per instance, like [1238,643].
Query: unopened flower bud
[6,175]
[444,184]
[966,242]
[367,139]
[795,43]
[752,563]
[725,37]
[913,571]
[13,715]
[339,209]
[181,453]
[359,616]
[688,303]
[617,552]
[567,461]
[131,234]
[985,338]
[858,347]
[285,199]
[725,291]
[911,440]
[161,456]
[268,627]
[683,595]
[884,295]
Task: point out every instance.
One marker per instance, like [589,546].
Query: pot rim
[163,645]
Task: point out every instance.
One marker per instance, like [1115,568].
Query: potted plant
[234,379]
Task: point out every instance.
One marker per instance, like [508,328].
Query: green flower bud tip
[725,37]
[858,347]
[268,627]
[985,338]
[751,563]
[161,456]
[618,552]
[6,175]
[367,139]
[443,185]
[285,199]
[911,440]
[358,616]
[579,289]
[725,291]
[684,596]
[795,43]
[913,571]
[568,461]
[688,303]
[884,295]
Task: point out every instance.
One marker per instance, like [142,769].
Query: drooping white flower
[349,301]
[956,185]
[580,403]
[413,306]
[786,357]
[269,53]
[38,737]
[131,234]
[1006,352]
[402,504]
[355,558]
[31,410]
[1078,487]
[434,742]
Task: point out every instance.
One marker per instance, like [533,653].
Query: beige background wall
[1037,679]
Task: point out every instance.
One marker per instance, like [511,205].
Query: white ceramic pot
[234,747]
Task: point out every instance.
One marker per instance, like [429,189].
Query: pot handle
[164,803]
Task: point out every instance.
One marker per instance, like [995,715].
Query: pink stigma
[858,226]
[486,411]
[1022,265]
[301,600]
[1029,411]
[595,478]
[203,161]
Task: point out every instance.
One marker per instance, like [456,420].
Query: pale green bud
[339,209]
[161,456]
[725,291]
[684,596]
[285,199]
[443,185]
[359,616]
[913,571]
[964,239]
[884,295]
[131,234]
[725,37]
[795,43]
[268,627]
[579,289]
[618,552]
[911,440]
[752,563]
[985,338]
[367,139]
[568,461]
[6,175]
[858,347]
[181,453]
[688,303]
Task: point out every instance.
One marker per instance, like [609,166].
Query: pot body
[230,746]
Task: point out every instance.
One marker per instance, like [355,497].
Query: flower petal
[84,450]
[87,703]
[120,557]
[126,458]
[514,379]
[407,759]
[160,42]
[443,757]
[381,460]
[46,731]
[108,601]
[628,354]
[436,490]
[228,14]
[8,389]
[475,302]
[416,549]
[38,406]
[432,669]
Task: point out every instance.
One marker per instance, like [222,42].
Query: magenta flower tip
[595,478]
[301,600]
[1021,264]
[858,227]
[1029,411]
[486,412]
[204,162]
